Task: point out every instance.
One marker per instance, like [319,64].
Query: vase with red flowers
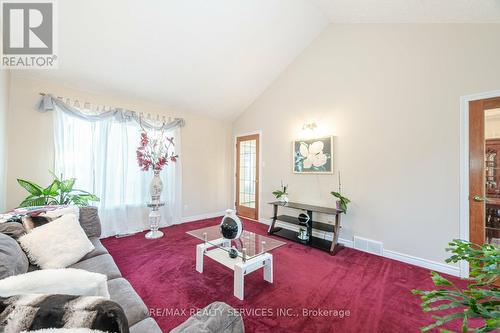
[155,152]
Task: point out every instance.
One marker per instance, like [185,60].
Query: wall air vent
[368,245]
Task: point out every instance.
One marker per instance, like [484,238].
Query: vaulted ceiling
[213,57]
[411,11]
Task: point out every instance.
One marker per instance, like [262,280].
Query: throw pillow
[57,244]
[70,281]
[12,229]
[13,261]
[90,222]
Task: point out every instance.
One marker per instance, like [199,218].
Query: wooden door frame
[464,168]
[477,167]
[259,169]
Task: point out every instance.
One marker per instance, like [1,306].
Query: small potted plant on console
[342,201]
[282,195]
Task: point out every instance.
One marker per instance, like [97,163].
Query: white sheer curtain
[101,155]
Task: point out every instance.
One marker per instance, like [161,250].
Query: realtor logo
[28,34]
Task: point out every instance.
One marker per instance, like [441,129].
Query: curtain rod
[139,113]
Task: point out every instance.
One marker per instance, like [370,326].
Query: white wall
[4,104]
[205,144]
[390,96]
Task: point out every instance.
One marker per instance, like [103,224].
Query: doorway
[247,176]
[484,171]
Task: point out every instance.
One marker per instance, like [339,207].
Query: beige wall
[390,96]
[205,145]
[4,104]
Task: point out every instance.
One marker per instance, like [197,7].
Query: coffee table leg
[200,251]
[239,281]
[268,269]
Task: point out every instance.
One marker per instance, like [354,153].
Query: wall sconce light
[310,126]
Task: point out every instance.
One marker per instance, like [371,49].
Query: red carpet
[374,290]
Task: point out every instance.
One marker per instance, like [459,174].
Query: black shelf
[332,246]
[315,225]
[315,242]
[301,206]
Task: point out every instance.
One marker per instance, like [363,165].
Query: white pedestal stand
[154,220]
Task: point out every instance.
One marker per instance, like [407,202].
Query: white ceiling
[205,56]
[213,57]
[411,11]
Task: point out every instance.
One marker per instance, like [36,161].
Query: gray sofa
[100,261]
[120,290]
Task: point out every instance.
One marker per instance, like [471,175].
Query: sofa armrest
[217,317]
[90,222]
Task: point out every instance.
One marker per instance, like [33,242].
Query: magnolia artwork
[313,156]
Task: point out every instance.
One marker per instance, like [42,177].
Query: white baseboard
[346,242]
[429,264]
[406,258]
[202,216]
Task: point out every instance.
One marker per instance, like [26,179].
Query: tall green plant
[479,300]
[59,192]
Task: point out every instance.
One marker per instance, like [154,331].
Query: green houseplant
[59,192]
[481,299]
[342,201]
[281,194]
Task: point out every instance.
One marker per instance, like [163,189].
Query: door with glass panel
[247,176]
[484,171]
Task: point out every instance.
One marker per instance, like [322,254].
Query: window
[101,155]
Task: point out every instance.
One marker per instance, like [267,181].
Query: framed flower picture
[313,156]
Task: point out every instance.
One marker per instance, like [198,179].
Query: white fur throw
[64,330]
[57,244]
[69,281]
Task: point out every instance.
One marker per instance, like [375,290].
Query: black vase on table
[231,226]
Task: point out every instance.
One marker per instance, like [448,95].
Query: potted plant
[281,194]
[342,201]
[480,299]
[59,192]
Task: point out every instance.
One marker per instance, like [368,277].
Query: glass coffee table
[251,253]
